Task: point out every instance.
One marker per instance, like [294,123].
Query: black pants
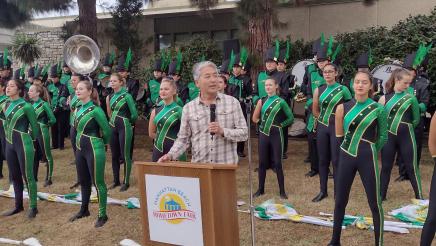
[73,145]
[19,156]
[429,229]
[327,146]
[366,164]
[285,139]
[121,149]
[3,150]
[419,135]
[313,151]
[241,145]
[58,130]
[270,156]
[404,144]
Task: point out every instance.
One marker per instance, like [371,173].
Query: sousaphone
[81,54]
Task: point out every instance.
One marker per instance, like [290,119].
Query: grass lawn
[51,226]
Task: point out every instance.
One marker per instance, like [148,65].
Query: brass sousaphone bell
[81,54]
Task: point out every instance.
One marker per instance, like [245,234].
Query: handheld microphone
[212,115]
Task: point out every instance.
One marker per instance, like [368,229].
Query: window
[219,35]
[164,41]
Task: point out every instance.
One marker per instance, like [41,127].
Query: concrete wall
[308,22]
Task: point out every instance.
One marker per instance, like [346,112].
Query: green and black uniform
[167,121]
[45,119]
[152,95]
[74,104]
[93,132]
[124,115]
[275,114]
[365,133]
[403,116]
[193,91]
[3,100]
[312,79]
[329,97]
[21,128]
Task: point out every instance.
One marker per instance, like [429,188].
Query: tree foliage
[26,48]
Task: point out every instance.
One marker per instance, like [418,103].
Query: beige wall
[309,21]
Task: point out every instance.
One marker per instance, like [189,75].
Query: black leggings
[405,145]
[3,150]
[167,144]
[313,151]
[270,156]
[366,164]
[429,229]
[73,146]
[121,149]
[327,146]
[19,156]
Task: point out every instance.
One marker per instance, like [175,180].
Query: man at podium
[212,123]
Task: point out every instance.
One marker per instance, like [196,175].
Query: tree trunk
[259,40]
[88,18]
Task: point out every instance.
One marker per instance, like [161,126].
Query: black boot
[79,215]
[13,211]
[75,185]
[114,185]
[101,221]
[32,213]
[48,183]
[124,187]
[258,193]
[283,195]
[311,173]
[320,197]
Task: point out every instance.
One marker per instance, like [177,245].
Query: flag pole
[250,172]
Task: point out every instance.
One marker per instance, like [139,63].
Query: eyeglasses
[329,71]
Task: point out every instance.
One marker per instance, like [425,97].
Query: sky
[102,6]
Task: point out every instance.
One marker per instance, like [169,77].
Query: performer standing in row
[420,89]
[58,104]
[325,100]
[244,85]
[5,66]
[175,72]
[152,87]
[122,112]
[3,100]
[20,117]
[74,103]
[428,231]
[274,114]
[403,116]
[45,119]
[93,132]
[102,83]
[361,127]
[164,121]
[310,83]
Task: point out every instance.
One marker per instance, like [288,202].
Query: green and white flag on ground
[414,213]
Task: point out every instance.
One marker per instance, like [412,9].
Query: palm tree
[25,48]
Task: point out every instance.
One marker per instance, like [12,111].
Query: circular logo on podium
[173,206]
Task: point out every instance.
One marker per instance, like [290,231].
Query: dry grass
[51,226]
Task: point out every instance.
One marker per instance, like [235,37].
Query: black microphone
[212,115]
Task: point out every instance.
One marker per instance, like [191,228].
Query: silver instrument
[383,72]
[299,69]
[81,54]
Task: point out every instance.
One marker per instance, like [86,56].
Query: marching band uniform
[364,61]
[3,100]
[103,86]
[153,87]
[92,134]
[20,117]
[74,104]
[364,135]
[58,130]
[175,71]
[275,114]
[45,119]
[123,116]
[403,116]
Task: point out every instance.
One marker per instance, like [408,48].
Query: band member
[74,103]
[244,85]
[420,89]
[429,228]
[5,66]
[30,76]
[45,119]
[271,59]
[325,100]
[20,117]
[164,121]
[93,132]
[123,114]
[123,68]
[403,116]
[102,83]
[361,127]
[58,130]
[310,83]
[363,64]
[3,100]
[226,88]
[66,76]
[152,86]
[175,72]
[273,113]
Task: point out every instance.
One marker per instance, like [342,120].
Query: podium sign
[188,203]
[174,207]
